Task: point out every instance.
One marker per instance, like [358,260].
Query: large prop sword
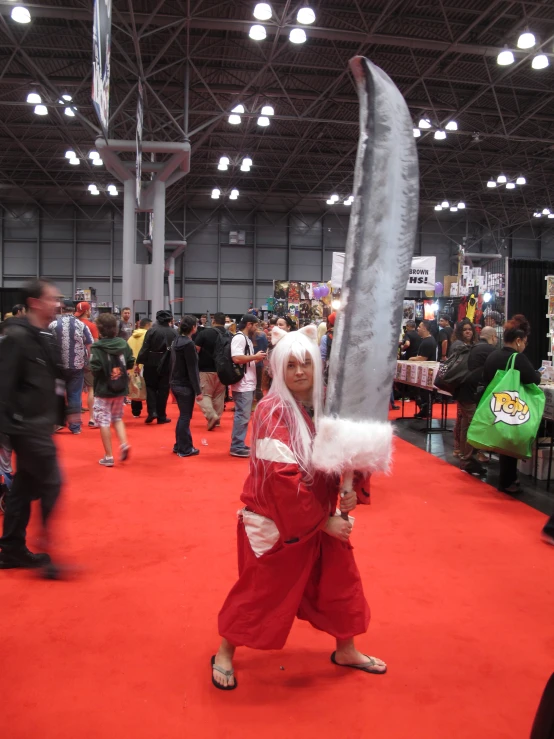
[354,433]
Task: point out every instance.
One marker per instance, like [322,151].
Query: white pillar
[129,244]
[171,282]
[158,249]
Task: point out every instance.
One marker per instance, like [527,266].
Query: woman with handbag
[516,335]
[464,335]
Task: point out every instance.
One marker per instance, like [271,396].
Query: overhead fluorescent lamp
[20,14]
[70,154]
[445,204]
[330,202]
[297,36]
[305,16]
[546,212]
[97,162]
[505,58]
[216,192]
[491,183]
[263,121]
[33,98]
[74,161]
[438,207]
[461,206]
[234,120]
[69,112]
[440,135]
[93,155]
[510,186]
[268,110]
[526,40]
[67,98]
[451,126]
[551,215]
[453,209]
[41,110]
[334,198]
[247,161]
[222,167]
[91,188]
[257,33]
[540,61]
[521,180]
[424,123]
[234,194]
[262,11]
[501,179]
[244,167]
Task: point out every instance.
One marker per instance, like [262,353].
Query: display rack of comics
[297,300]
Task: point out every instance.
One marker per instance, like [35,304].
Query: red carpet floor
[460,585]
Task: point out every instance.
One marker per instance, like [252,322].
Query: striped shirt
[73,337]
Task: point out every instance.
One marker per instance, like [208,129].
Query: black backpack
[228,372]
[454,370]
[117,373]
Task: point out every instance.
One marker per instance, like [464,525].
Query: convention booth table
[422,375]
[540,465]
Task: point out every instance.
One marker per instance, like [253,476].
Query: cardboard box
[527,466]
[403,366]
[427,375]
[412,373]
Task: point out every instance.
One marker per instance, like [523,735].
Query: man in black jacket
[31,404]
[154,355]
[213,392]
[467,397]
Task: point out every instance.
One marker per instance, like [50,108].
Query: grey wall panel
[20,223]
[271,233]
[236,262]
[272,264]
[263,292]
[335,229]
[305,264]
[236,297]
[237,221]
[200,297]
[201,261]
[20,258]
[305,231]
[52,266]
[525,243]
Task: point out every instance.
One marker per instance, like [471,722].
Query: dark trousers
[543,726]
[185,400]
[466,411]
[136,407]
[258,395]
[74,379]
[549,527]
[37,477]
[157,392]
[508,471]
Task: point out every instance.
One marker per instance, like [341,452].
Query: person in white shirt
[242,352]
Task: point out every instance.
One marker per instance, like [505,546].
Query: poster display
[422,272]
[101,51]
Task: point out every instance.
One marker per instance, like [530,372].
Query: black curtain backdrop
[9,296]
[526,294]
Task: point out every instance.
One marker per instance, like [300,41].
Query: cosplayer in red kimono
[295,558]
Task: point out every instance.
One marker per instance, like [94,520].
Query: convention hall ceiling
[441,53]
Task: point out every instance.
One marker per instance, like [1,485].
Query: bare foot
[352,656]
[224,660]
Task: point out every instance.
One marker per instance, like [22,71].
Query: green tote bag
[508,416]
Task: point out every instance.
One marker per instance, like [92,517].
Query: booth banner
[101,49]
[422,272]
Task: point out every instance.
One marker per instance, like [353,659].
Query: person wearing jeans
[74,379]
[185,384]
[242,352]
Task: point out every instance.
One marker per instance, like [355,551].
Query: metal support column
[158,248]
[39,235]
[1,248]
[112,258]
[74,251]
[322,246]
[219,261]
[129,242]
[171,282]
[254,261]
[288,247]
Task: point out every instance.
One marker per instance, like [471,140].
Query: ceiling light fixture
[445,204]
[510,186]
[305,16]
[20,14]
[92,187]
[244,167]
[297,36]
[521,180]
[526,40]
[69,112]
[438,207]
[505,58]
[97,162]
[70,154]
[234,118]
[74,161]
[440,135]
[223,164]
[263,121]
[93,155]
[334,198]
[551,215]
[491,183]
[461,205]
[257,33]
[545,212]
[33,98]
[417,133]
[262,11]
[234,194]
[112,189]
[247,161]
[453,209]
[451,126]
[268,110]
[540,61]
[501,179]
[330,202]
[537,215]
[67,98]
[41,110]
[424,123]
[216,192]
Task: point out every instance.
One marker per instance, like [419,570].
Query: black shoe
[164,420]
[136,415]
[421,416]
[149,419]
[23,558]
[474,468]
[395,407]
[193,453]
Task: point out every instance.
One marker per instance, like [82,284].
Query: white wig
[300,345]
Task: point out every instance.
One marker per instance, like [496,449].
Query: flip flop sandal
[227,673]
[370,666]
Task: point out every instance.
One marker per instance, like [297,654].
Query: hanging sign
[140,118]
[101,49]
[422,272]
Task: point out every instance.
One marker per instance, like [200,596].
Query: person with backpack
[213,390]
[244,359]
[111,357]
[185,384]
[154,355]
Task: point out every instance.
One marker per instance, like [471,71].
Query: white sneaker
[106,461]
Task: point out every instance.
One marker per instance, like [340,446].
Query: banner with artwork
[304,302]
[101,51]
